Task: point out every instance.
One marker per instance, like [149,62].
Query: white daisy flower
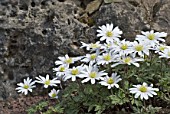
[90,58]
[160,48]
[106,58]
[123,47]
[46,81]
[54,93]
[165,53]
[26,86]
[152,37]
[109,33]
[92,46]
[144,91]
[109,46]
[127,60]
[60,71]
[111,81]
[73,73]
[91,73]
[140,48]
[66,60]
[106,46]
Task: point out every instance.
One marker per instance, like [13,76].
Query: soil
[21,104]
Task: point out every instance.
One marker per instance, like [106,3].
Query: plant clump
[105,79]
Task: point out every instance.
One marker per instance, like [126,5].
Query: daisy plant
[87,83]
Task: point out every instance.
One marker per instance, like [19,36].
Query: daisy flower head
[66,60]
[140,48]
[73,73]
[127,60]
[123,47]
[160,48]
[26,86]
[165,53]
[60,70]
[54,93]
[152,37]
[108,33]
[46,81]
[107,46]
[92,46]
[111,81]
[106,58]
[90,58]
[91,73]
[144,91]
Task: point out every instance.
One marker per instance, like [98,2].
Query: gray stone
[34,36]
[133,16]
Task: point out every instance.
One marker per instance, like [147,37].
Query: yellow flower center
[74,71]
[127,60]
[62,69]
[108,45]
[53,95]
[93,74]
[110,81]
[124,46]
[109,34]
[47,82]
[68,60]
[93,56]
[94,46]
[161,48]
[151,36]
[143,89]
[25,86]
[107,57]
[139,48]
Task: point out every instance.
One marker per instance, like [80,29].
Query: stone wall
[33,33]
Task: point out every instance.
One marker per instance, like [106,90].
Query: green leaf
[119,98]
[90,108]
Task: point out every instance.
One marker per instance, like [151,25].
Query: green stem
[61,84]
[144,103]
[151,58]
[80,86]
[161,68]
[111,90]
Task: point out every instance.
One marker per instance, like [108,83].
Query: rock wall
[33,33]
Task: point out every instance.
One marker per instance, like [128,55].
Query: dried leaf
[93,6]
[110,1]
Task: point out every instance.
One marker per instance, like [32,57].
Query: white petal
[85,80]
[92,81]
[137,95]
